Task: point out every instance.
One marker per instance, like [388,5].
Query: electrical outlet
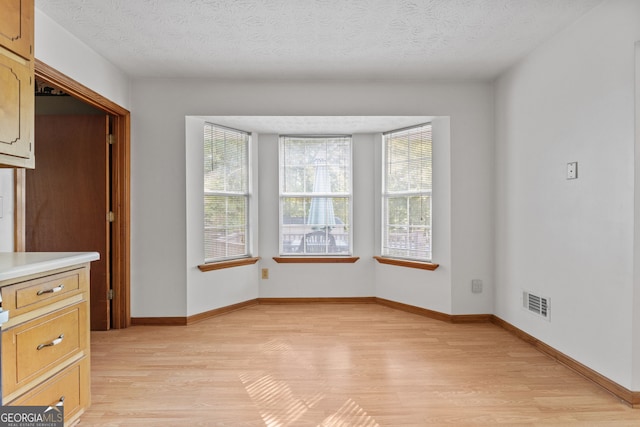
[476,286]
[265,273]
[572,170]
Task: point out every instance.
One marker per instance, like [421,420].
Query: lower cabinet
[45,343]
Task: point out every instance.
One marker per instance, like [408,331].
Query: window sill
[228,264]
[315,260]
[406,263]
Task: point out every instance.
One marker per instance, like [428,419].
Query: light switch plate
[572,170]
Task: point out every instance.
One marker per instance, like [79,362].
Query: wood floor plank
[335,365]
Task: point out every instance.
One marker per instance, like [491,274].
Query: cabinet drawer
[42,346]
[26,296]
[46,290]
[67,386]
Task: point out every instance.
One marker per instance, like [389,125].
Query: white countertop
[17,264]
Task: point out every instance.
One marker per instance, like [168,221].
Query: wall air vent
[536,304]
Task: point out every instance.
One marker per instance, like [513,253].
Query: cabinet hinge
[111,216]
[110,294]
[110,138]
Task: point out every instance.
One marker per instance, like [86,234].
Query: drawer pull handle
[52,343]
[59,402]
[50,291]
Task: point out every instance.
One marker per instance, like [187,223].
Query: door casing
[120,190]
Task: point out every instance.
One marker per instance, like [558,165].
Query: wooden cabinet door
[16,27]
[16,112]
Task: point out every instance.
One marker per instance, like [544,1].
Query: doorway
[67,196]
[110,297]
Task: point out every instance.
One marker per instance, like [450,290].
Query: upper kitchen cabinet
[16,27]
[16,84]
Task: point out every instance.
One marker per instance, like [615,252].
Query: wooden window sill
[315,260]
[228,264]
[406,263]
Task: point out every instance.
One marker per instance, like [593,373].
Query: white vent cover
[536,304]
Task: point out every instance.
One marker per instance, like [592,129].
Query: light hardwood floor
[335,365]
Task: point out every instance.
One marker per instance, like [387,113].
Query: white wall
[61,50]
[571,240]
[636,247]
[6,210]
[164,282]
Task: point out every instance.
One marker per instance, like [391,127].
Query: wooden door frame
[120,190]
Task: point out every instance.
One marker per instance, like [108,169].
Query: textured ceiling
[314,39]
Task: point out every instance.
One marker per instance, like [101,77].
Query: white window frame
[230,193]
[292,247]
[404,251]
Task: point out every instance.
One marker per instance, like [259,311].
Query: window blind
[315,195]
[407,188]
[226,192]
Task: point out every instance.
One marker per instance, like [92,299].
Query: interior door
[67,197]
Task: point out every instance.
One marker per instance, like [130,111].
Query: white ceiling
[314,39]
[317,125]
